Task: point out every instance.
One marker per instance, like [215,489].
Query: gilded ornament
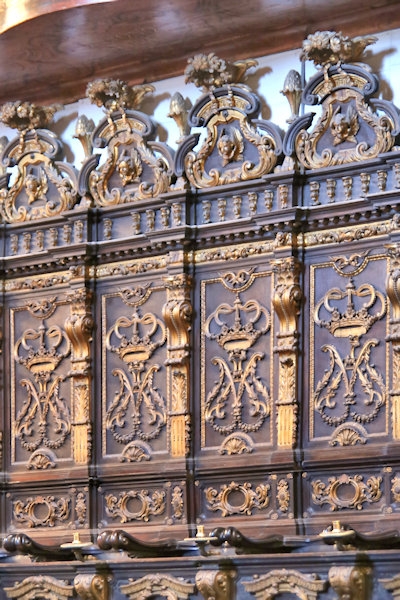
[279,581]
[216,585]
[148,504]
[351,583]
[178,111]
[257,499]
[40,586]
[207,71]
[92,587]
[328,48]
[41,511]
[83,132]
[363,492]
[26,116]
[158,584]
[115,94]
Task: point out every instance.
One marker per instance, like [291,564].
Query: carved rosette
[79,328]
[177,313]
[216,585]
[44,186]
[279,581]
[136,166]
[158,584]
[352,126]
[286,300]
[351,583]
[40,586]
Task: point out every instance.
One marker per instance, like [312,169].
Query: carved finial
[25,116]
[292,89]
[115,94]
[328,48]
[207,71]
[178,111]
[83,132]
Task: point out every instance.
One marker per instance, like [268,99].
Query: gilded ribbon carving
[137,414]
[177,313]
[286,300]
[238,404]
[43,422]
[351,392]
[79,328]
[158,584]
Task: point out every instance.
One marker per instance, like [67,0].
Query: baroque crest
[42,185]
[352,126]
[136,167]
[237,146]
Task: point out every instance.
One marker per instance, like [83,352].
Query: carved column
[286,301]
[350,583]
[177,313]
[216,585]
[393,292]
[92,587]
[79,330]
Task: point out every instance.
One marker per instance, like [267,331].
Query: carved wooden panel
[236,362]
[349,371]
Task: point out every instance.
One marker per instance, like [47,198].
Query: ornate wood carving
[369,491]
[238,404]
[177,313]
[352,127]
[216,585]
[42,422]
[279,581]
[136,168]
[257,498]
[44,186]
[146,503]
[393,292]
[286,299]
[79,328]
[158,584]
[392,585]
[238,146]
[92,587]
[40,586]
[351,583]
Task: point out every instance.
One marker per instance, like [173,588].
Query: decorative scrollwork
[41,511]
[251,499]
[40,586]
[336,491]
[157,584]
[146,505]
[279,581]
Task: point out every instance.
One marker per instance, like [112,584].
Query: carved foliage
[160,585]
[40,586]
[135,505]
[41,511]
[226,499]
[336,491]
[279,581]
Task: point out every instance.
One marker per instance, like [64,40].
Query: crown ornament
[138,337]
[357,317]
[41,350]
